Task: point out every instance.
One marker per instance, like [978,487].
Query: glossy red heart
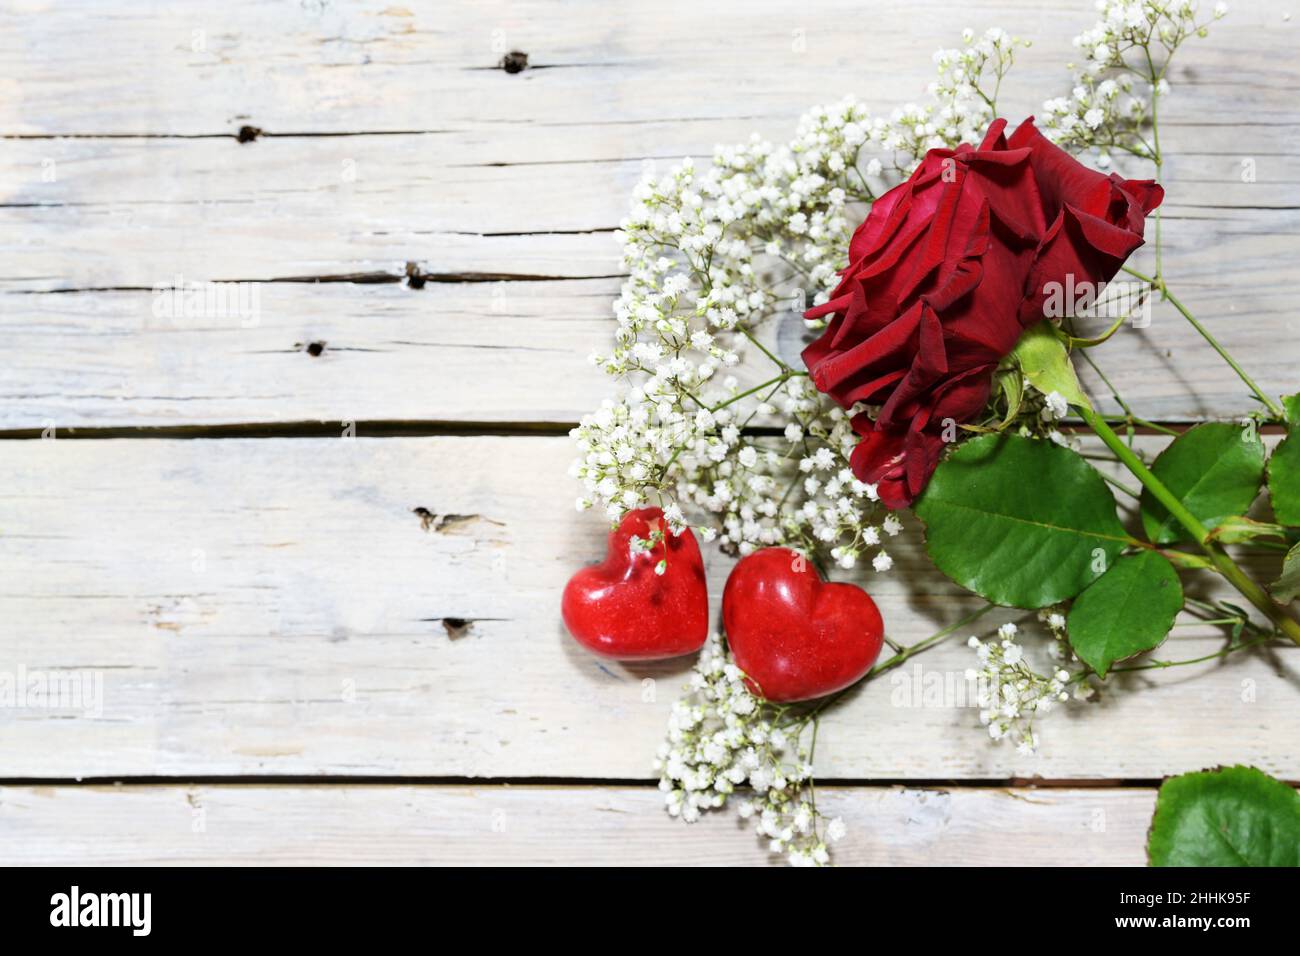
[622,609]
[795,636]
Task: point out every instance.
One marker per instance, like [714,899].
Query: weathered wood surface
[479,174]
[273,606]
[619,826]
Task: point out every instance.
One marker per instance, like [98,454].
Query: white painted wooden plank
[321,205]
[489,352]
[622,826]
[505,162]
[517,351]
[275,607]
[98,358]
[192,68]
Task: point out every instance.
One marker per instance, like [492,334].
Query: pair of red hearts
[795,636]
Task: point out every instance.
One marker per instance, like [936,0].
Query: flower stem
[919,646]
[1158,282]
[1161,665]
[1274,408]
[902,655]
[763,348]
[1218,557]
[783,377]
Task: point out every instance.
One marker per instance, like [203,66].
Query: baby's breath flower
[1106,110]
[720,736]
[710,250]
[1010,693]
[1055,407]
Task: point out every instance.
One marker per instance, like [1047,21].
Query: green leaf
[1233,816]
[1045,362]
[1287,585]
[1020,522]
[1284,468]
[1238,530]
[1126,611]
[1291,405]
[1213,469]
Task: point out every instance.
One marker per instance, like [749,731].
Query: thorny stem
[1255,594]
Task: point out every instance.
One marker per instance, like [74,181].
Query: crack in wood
[379,428]
[261,133]
[381,780]
[643,121]
[415,280]
[394,428]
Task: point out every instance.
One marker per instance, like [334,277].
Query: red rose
[944,275]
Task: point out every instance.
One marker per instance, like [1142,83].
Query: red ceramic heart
[622,609]
[795,636]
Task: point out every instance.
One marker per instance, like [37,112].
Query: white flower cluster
[1011,693]
[1125,58]
[1059,649]
[965,103]
[694,299]
[1041,414]
[711,255]
[721,738]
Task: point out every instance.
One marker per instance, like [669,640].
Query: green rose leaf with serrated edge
[1214,469]
[1287,585]
[1126,611]
[1233,816]
[1045,362]
[1284,468]
[1020,522]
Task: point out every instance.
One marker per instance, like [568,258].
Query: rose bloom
[947,271]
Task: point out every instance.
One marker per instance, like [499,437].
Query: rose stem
[1226,566]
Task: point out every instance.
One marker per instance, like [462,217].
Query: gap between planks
[385,780]
[398,428]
